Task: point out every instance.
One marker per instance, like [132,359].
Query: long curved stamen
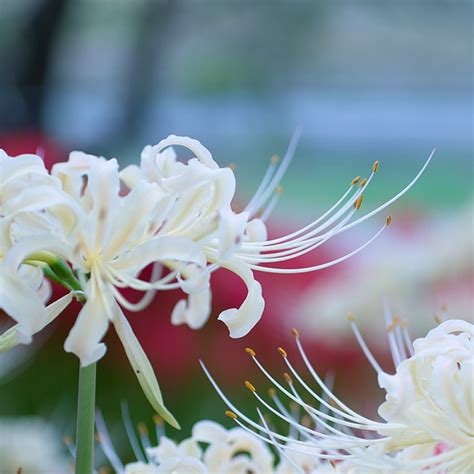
[237,413]
[313,393]
[366,424]
[304,248]
[275,181]
[321,384]
[323,265]
[271,205]
[396,197]
[281,451]
[264,183]
[132,437]
[390,325]
[106,443]
[308,230]
[363,345]
[308,430]
[406,337]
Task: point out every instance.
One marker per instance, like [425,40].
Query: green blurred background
[367,80]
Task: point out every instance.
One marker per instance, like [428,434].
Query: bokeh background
[367,80]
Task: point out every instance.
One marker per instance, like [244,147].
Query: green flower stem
[85,420]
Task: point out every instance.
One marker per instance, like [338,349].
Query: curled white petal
[240,321]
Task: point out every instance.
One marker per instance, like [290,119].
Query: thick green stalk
[85,420]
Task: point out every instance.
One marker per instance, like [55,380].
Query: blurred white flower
[427,413]
[210,449]
[32,445]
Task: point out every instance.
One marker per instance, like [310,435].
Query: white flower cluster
[94,229]
[427,415]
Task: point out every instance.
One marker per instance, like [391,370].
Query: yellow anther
[287,377]
[103,470]
[275,159]
[355,180]
[438,319]
[67,440]
[158,420]
[249,386]
[392,325]
[444,307]
[295,333]
[19,470]
[389,220]
[351,317]
[279,190]
[271,392]
[403,323]
[358,203]
[97,437]
[232,166]
[375,168]
[231,414]
[363,183]
[250,351]
[282,352]
[142,429]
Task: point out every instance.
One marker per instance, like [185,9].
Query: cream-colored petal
[8,340]
[22,304]
[194,312]
[142,367]
[231,232]
[240,321]
[207,431]
[91,324]
[160,249]
[199,150]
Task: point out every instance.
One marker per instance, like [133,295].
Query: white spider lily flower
[427,414]
[238,241]
[210,449]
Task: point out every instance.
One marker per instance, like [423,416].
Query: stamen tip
[97,437]
[358,203]
[271,392]
[250,386]
[287,377]
[355,180]
[295,333]
[375,168]
[231,414]
[403,323]
[350,317]
[157,419]
[275,159]
[389,220]
[438,319]
[363,183]
[232,166]
[282,352]
[444,307]
[142,429]
[250,351]
[279,190]
[67,440]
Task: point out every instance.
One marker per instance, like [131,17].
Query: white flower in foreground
[427,414]
[79,226]
[238,241]
[210,449]
[32,445]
